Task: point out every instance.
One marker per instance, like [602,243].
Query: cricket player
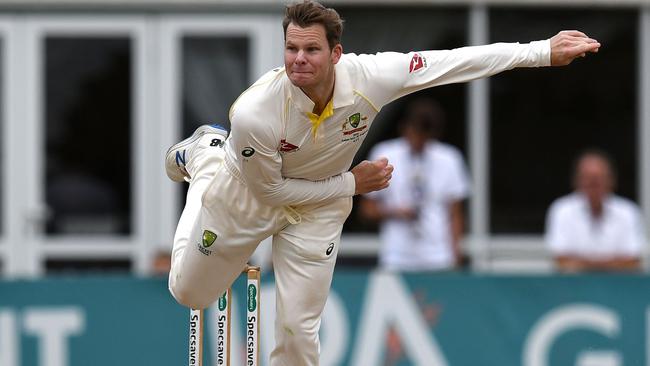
[284,169]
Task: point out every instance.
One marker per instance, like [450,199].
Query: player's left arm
[391,75]
[470,63]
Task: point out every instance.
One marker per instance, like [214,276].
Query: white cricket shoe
[180,154]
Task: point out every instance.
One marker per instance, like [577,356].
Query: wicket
[223,325]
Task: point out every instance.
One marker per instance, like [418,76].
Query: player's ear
[337,51]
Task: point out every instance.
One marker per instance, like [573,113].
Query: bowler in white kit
[284,169]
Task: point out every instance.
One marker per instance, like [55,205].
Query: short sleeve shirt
[428,183]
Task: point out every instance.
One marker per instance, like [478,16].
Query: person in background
[421,212]
[593,229]
[161,262]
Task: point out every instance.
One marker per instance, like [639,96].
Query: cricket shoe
[179,156]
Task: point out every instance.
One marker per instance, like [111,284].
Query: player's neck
[321,94]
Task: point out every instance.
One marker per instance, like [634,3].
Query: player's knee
[297,332]
[299,344]
[187,296]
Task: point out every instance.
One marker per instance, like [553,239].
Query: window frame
[35,30]
[266,52]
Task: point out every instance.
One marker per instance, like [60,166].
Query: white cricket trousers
[303,255]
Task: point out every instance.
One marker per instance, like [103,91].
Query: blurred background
[93,92]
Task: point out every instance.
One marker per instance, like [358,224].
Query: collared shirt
[571,229]
[427,183]
[273,150]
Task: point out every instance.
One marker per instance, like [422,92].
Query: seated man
[593,229]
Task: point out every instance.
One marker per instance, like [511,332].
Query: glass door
[86,145]
[206,62]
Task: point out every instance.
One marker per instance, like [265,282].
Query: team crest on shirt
[354,127]
[207,240]
[354,120]
[417,62]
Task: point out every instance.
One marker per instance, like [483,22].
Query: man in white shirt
[593,229]
[421,212]
[284,168]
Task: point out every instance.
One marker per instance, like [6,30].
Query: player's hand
[370,176]
[566,46]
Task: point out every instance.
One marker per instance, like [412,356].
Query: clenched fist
[372,176]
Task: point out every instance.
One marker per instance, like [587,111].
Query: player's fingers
[587,40]
[580,49]
[575,33]
[381,163]
[577,41]
[589,47]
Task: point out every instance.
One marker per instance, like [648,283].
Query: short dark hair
[425,116]
[308,13]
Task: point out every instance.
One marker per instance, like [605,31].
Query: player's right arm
[255,141]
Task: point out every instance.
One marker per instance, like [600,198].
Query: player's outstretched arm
[568,45]
[391,75]
[370,176]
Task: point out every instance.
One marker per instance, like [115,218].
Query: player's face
[308,59]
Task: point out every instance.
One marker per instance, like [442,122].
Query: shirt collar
[343,93]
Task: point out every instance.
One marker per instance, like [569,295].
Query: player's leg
[304,256]
[230,225]
[202,154]
[216,233]
[211,261]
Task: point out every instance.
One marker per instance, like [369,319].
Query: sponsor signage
[432,319]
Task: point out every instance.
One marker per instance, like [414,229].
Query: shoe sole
[176,172]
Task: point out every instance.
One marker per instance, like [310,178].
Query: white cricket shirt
[571,229]
[272,149]
[428,183]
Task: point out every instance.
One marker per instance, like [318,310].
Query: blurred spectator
[161,263]
[592,229]
[421,212]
